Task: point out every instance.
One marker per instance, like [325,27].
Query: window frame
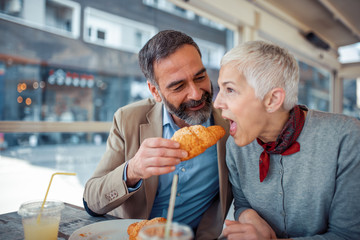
[120,21]
[75,32]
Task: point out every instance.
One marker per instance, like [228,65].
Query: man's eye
[199,78]
[178,87]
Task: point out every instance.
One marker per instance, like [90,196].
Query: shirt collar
[168,120]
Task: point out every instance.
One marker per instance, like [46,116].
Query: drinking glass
[41,222]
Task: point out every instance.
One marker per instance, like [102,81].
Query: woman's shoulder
[332,118]
[334,124]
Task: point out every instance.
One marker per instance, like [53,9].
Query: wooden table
[72,218]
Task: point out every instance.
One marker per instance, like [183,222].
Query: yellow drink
[41,219]
[46,229]
[46,226]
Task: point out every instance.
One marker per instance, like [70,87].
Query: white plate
[105,230]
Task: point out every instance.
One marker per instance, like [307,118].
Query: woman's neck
[275,125]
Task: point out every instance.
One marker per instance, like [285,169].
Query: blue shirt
[197,186]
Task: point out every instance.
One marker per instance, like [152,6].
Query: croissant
[134,228]
[196,139]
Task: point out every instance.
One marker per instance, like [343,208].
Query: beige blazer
[106,192]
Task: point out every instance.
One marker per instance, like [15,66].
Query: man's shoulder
[139,107]
[144,103]
[139,112]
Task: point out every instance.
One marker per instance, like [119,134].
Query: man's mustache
[194,103]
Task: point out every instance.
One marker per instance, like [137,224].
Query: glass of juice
[178,231]
[41,223]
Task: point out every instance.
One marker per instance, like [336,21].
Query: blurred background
[67,65]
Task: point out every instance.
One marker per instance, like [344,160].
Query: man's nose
[195,92]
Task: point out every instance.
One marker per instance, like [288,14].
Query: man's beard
[192,117]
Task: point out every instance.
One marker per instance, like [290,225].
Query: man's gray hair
[266,66]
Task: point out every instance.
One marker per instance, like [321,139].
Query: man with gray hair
[294,171]
[133,179]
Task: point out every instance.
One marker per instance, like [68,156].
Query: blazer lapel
[153,128]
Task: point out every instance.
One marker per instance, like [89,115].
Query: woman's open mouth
[233,127]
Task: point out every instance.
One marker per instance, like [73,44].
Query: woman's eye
[229,90]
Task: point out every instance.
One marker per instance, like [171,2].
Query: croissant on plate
[134,228]
[196,139]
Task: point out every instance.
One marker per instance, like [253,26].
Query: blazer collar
[152,128]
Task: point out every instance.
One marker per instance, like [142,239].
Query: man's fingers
[161,162]
[156,166]
[160,147]
[163,152]
[168,152]
[161,142]
[155,153]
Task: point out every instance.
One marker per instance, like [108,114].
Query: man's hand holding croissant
[157,156]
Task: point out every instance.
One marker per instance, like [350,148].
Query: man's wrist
[128,177]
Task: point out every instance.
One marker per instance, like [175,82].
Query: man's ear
[154,92]
[274,99]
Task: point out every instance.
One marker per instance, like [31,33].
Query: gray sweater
[312,194]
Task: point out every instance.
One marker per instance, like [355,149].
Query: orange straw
[47,191]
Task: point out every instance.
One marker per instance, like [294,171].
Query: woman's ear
[274,99]
[154,92]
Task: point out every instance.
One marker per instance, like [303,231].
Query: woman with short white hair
[294,171]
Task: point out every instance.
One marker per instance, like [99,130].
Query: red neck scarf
[285,143]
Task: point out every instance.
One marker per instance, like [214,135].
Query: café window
[211,53]
[12,7]
[314,87]
[169,7]
[101,34]
[351,97]
[209,23]
[59,15]
[61,94]
[116,32]
[56,16]
[351,87]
